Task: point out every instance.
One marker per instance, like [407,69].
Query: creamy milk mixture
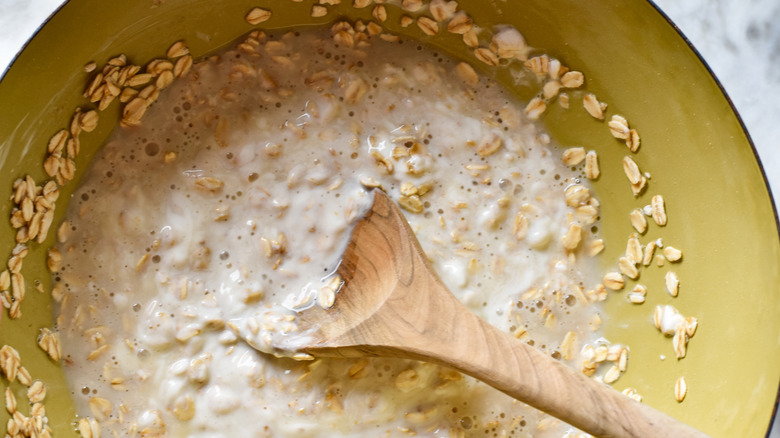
[195,236]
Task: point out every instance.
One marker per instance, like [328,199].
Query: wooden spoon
[392,304]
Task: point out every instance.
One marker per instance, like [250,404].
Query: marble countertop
[739,39]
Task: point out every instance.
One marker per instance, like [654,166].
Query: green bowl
[700,157]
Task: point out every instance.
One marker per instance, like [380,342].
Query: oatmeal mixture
[197,234]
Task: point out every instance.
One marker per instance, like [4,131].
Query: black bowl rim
[775,420]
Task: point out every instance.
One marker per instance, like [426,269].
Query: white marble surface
[739,39]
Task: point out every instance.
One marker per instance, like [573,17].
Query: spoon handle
[526,374]
[393,304]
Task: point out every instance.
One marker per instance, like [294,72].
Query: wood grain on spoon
[392,304]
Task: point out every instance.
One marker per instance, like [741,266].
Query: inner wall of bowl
[700,160]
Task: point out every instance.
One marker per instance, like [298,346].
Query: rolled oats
[10,400]
[179,48]
[535,108]
[638,221]
[690,324]
[164,79]
[571,239]
[254,17]
[36,392]
[572,79]
[622,359]
[573,156]
[595,247]
[93,86]
[369,182]
[568,345]
[460,23]
[540,65]
[54,260]
[614,281]
[9,362]
[556,70]
[658,210]
[618,127]
[471,39]
[508,43]
[411,5]
[680,389]
[140,79]
[442,10]
[23,376]
[639,187]
[593,106]
[612,375]
[520,229]
[648,252]
[134,110]
[551,89]
[489,144]
[586,214]
[633,141]
[379,12]
[634,250]
[12,427]
[184,408]
[128,94]
[412,204]
[89,428]
[466,73]
[672,254]
[632,394]
[180,69]
[117,61]
[638,294]
[672,283]
[428,25]
[628,268]
[577,195]
[563,100]
[100,408]
[407,380]
[209,184]
[88,121]
[383,161]
[373,28]
[680,342]
[50,343]
[631,170]
[486,55]
[319,11]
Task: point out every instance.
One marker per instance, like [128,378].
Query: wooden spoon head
[383,262]
[391,303]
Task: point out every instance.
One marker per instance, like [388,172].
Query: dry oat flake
[202,228]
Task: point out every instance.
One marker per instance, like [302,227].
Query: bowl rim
[37,30]
[775,420]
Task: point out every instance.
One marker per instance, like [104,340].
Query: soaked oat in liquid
[197,234]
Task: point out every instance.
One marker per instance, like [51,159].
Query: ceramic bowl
[693,144]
